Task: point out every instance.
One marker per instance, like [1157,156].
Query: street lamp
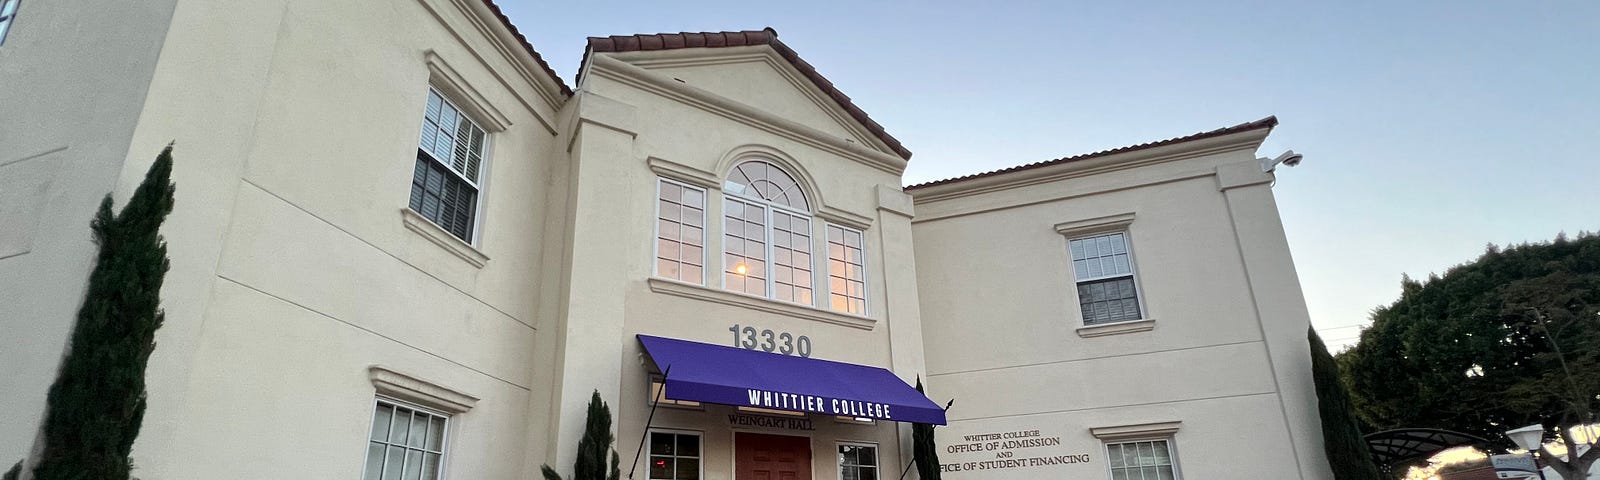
[1530,438]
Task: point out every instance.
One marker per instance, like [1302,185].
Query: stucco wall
[1006,340]
[292,269]
[73,84]
[627,127]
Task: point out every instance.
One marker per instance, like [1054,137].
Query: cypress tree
[1342,441]
[592,448]
[923,450]
[97,402]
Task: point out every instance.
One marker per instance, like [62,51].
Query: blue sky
[1430,129]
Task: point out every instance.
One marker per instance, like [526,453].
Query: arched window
[767,182]
[766,233]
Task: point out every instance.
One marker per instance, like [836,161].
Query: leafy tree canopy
[1510,339]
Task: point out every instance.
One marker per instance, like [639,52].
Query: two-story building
[404,248]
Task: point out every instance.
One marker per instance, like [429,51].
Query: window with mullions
[444,185]
[1103,269]
[1148,460]
[766,234]
[858,462]
[680,232]
[674,456]
[8,14]
[406,443]
[847,277]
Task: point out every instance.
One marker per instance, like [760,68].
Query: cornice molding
[844,217]
[1137,431]
[1087,226]
[486,24]
[683,173]
[764,54]
[444,77]
[1243,174]
[401,386]
[1248,140]
[599,110]
[604,66]
[895,200]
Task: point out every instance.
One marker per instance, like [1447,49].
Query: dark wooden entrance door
[771,457]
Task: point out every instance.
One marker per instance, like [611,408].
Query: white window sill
[699,292]
[1118,328]
[431,231]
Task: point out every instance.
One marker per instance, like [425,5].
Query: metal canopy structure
[1391,448]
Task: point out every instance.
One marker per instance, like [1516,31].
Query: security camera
[1288,158]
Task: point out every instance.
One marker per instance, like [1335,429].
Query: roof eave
[1258,129]
[1240,137]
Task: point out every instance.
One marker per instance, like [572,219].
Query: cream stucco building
[404,248]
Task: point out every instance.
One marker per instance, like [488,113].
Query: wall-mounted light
[1288,158]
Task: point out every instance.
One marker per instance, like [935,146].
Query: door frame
[733,459]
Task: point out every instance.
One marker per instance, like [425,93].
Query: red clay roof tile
[1269,122]
[769,37]
[565,90]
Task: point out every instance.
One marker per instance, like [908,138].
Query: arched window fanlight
[766,181]
[766,234]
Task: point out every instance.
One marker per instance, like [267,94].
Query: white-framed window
[680,232]
[407,442]
[1102,265]
[847,272]
[450,158]
[8,15]
[766,241]
[674,455]
[1141,460]
[658,396]
[858,461]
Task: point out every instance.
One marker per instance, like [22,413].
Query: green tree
[97,402]
[1510,339]
[592,448]
[1341,433]
[923,449]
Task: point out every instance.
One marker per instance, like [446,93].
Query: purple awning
[709,373]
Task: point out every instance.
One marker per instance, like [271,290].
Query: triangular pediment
[757,76]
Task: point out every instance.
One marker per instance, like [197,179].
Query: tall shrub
[592,448]
[97,402]
[1341,435]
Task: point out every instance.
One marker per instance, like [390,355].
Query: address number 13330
[766,340]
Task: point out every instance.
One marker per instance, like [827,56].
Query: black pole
[903,473]
[654,400]
[908,468]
